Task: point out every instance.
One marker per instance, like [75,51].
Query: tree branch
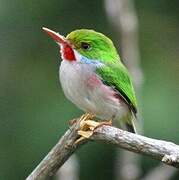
[164,151]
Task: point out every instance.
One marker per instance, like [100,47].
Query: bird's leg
[87,116]
[82,118]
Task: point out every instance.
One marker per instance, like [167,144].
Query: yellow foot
[107,122]
[86,125]
[87,128]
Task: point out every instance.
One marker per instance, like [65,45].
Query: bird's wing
[117,76]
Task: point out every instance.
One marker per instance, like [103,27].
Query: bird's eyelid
[85,45]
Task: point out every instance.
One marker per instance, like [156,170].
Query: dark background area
[33,110]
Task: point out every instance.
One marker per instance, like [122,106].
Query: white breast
[74,77]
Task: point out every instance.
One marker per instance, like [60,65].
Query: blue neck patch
[86,60]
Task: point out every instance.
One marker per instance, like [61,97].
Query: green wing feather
[117,76]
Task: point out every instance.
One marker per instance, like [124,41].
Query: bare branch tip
[169,159]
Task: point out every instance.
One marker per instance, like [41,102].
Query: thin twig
[164,151]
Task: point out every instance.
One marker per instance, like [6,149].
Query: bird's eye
[85,45]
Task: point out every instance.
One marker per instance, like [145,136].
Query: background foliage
[33,110]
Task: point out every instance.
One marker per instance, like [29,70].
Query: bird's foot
[86,125]
[87,128]
[107,122]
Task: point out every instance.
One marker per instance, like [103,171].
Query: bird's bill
[55,36]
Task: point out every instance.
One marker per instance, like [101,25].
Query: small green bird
[93,77]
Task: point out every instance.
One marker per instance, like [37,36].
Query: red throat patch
[68,53]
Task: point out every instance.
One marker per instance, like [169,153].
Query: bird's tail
[131,128]
[130,123]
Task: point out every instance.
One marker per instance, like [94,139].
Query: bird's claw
[87,126]
[86,129]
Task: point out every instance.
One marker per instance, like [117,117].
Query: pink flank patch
[108,92]
[93,81]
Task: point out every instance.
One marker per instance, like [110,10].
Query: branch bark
[164,151]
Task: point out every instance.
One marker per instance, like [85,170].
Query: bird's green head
[87,43]
[92,44]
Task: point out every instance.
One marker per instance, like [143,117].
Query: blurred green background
[33,110]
